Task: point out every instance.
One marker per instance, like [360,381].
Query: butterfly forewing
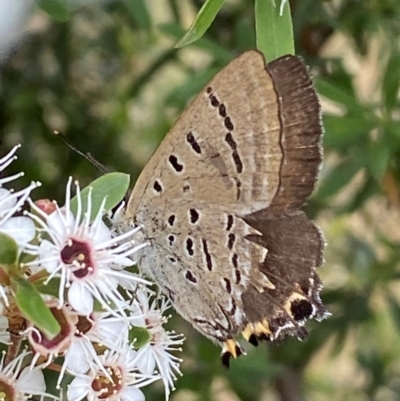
[224,149]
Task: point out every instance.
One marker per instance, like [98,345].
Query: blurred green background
[105,73]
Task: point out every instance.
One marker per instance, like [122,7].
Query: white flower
[20,228]
[85,256]
[17,385]
[157,352]
[121,383]
[100,328]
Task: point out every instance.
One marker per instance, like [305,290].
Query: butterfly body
[219,203]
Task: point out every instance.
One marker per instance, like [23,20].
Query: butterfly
[220,203]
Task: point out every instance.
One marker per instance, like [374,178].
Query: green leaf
[378,160]
[51,288]
[179,97]
[56,9]
[219,52]
[334,92]
[342,132]
[202,22]
[8,250]
[139,12]
[394,309]
[274,32]
[139,336]
[337,179]
[111,186]
[32,306]
[391,81]
[255,369]
[367,191]
[244,35]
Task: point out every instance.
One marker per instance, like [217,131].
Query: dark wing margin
[301,132]
[295,245]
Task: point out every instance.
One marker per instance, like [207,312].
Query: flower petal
[79,388]
[132,393]
[110,331]
[102,233]
[61,222]
[21,228]
[31,381]
[80,298]
[76,358]
[145,360]
[46,250]
[6,201]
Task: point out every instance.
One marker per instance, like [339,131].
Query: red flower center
[7,390]
[40,338]
[84,325]
[78,254]
[106,388]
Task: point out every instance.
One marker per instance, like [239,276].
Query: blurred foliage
[110,79]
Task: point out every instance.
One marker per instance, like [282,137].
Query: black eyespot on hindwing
[301,309]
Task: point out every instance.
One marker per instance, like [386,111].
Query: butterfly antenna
[86,156]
